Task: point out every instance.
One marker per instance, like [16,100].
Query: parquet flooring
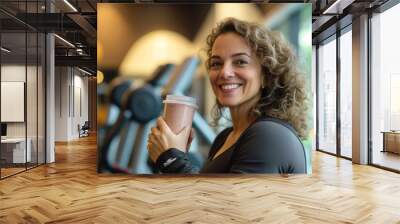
[9,171]
[70,191]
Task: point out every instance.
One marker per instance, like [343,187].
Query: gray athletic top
[268,145]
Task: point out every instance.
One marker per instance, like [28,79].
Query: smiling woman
[234,71]
[253,73]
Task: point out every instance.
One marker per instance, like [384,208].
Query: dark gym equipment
[125,145]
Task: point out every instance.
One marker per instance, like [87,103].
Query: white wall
[80,96]
[61,103]
[71,94]
[13,73]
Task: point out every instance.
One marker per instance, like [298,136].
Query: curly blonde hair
[284,93]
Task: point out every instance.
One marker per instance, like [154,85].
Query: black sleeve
[175,161]
[269,147]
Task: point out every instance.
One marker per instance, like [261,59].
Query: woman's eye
[214,65]
[241,62]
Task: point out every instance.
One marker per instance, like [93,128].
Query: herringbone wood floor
[70,191]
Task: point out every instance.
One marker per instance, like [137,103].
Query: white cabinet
[18,149]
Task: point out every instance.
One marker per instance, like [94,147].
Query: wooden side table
[391,141]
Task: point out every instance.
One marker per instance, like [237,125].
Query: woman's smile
[229,88]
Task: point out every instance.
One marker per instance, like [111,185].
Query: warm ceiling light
[84,71]
[326,11]
[337,7]
[70,5]
[5,50]
[154,49]
[100,77]
[65,41]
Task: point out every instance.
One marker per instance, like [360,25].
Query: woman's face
[235,71]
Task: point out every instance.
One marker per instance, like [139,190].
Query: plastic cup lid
[187,100]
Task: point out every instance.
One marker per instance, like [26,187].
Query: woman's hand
[163,138]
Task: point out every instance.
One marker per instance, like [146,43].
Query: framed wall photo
[12,101]
[183,81]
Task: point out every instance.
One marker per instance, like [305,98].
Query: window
[346,94]
[385,89]
[22,65]
[327,96]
